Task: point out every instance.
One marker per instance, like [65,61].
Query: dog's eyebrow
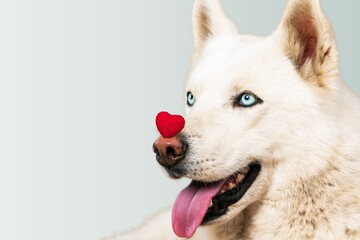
[238,89]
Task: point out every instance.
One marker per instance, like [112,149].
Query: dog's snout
[169,151]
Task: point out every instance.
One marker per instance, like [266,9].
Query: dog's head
[255,106]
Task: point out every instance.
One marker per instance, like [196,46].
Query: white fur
[158,227]
[305,135]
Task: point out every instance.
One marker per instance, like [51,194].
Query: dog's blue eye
[190,99]
[247,100]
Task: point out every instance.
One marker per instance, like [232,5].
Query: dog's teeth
[231,186]
[245,170]
[240,177]
[211,203]
[222,191]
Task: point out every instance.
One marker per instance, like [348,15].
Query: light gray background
[80,84]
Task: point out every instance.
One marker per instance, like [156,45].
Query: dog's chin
[230,192]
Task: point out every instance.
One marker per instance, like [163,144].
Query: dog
[272,135]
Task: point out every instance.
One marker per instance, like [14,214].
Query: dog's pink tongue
[190,207]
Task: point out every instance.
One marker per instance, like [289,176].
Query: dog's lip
[175,172]
[222,201]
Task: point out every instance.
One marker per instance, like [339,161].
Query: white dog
[272,135]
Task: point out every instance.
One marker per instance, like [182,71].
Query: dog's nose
[169,151]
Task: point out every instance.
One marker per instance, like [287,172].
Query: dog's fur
[305,134]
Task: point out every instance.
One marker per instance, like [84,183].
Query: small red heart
[169,125]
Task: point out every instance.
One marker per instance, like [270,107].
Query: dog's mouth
[200,202]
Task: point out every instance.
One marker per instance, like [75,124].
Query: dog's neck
[302,204]
[230,230]
[305,206]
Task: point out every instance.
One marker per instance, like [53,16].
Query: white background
[80,84]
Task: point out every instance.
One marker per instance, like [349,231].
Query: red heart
[169,125]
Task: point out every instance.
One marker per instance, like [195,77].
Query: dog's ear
[209,20]
[307,39]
